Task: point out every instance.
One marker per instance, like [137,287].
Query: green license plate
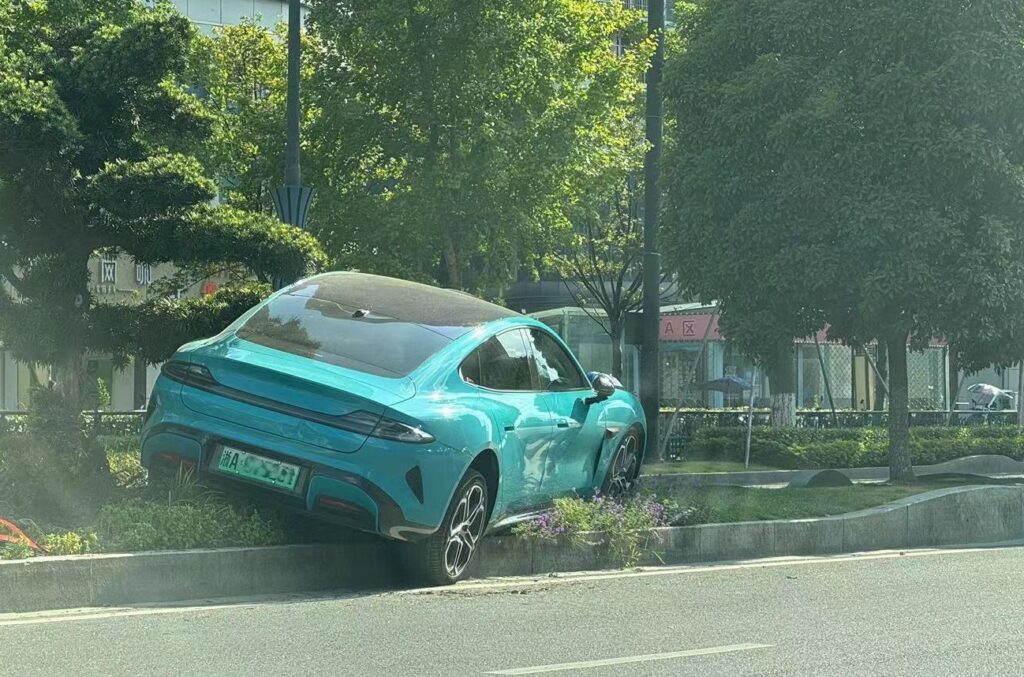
[258,468]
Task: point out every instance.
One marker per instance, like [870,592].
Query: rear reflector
[178,460]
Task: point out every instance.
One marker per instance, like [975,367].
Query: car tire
[624,468]
[444,557]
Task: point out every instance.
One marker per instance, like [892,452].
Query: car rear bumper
[397,490]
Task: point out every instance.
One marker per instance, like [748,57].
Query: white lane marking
[115,613]
[93,613]
[257,601]
[580,665]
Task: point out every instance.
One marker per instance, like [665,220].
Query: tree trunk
[782,381]
[452,266]
[882,363]
[954,382]
[616,336]
[901,469]
[69,380]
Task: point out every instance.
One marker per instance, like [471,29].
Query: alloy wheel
[624,466]
[465,530]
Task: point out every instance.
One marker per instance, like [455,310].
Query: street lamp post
[292,199]
[650,371]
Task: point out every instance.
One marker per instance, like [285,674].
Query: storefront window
[677,366]
[811,389]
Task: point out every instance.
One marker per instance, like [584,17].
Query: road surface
[920,613]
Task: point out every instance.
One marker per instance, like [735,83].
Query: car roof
[403,300]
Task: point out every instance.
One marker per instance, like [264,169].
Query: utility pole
[291,201]
[650,367]
[292,170]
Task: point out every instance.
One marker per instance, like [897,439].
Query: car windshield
[325,330]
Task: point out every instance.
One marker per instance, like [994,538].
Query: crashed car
[425,415]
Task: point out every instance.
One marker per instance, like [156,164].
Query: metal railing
[690,420]
[96,422]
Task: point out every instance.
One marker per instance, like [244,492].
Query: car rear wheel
[625,465]
[444,557]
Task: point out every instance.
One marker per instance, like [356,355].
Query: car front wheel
[625,465]
[444,557]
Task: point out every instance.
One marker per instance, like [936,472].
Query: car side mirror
[604,385]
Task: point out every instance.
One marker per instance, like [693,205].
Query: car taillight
[187,373]
[383,427]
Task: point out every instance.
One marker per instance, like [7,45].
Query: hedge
[799,448]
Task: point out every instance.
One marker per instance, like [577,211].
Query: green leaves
[464,128]
[99,139]
[851,165]
[161,183]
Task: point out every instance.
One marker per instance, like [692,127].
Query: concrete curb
[983,464]
[955,516]
[960,516]
[74,581]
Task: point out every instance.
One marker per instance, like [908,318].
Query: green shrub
[18,550]
[625,524]
[810,448]
[136,524]
[125,461]
[47,484]
[70,543]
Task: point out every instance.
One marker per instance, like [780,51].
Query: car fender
[467,426]
[620,414]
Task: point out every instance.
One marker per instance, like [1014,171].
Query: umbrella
[727,384]
[982,394]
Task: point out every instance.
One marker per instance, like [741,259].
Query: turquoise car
[421,414]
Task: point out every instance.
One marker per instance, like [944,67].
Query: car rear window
[327,331]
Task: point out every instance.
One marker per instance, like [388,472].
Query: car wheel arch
[611,445]
[486,463]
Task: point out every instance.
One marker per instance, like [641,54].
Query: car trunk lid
[288,395]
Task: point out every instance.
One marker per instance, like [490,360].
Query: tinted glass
[500,363]
[556,370]
[327,331]
[402,300]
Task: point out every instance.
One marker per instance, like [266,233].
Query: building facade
[821,368]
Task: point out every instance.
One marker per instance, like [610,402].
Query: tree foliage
[451,134]
[855,164]
[99,141]
[242,71]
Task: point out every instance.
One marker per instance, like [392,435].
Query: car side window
[500,363]
[555,368]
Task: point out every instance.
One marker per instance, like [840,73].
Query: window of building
[618,45]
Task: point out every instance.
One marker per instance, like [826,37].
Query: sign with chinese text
[689,327]
[108,271]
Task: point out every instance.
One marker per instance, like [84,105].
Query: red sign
[688,327]
[209,288]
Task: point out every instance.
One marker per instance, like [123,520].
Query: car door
[502,369]
[579,435]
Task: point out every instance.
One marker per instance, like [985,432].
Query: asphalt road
[922,613]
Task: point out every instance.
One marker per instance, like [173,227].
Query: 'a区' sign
[688,327]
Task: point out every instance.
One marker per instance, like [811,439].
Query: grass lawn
[676,467]
[736,504]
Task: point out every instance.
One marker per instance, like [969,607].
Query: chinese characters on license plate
[258,468]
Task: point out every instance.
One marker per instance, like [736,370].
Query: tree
[601,261]
[242,71]
[855,165]
[452,133]
[100,137]
[601,264]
